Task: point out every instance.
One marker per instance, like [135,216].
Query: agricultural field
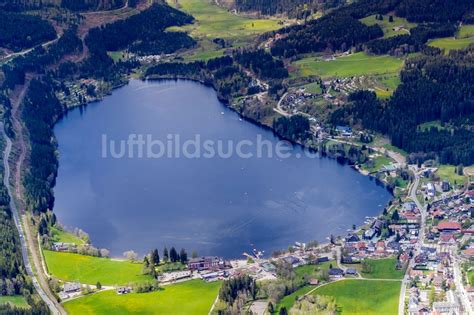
[357,64]
[191,297]
[89,270]
[464,38]
[65,237]
[351,296]
[383,269]
[216,22]
[14,300]
[399,26]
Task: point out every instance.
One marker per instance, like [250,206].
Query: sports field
[357,64]
[191,297]
[89,270]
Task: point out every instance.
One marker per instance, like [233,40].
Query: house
[447,239]
[206,263]
[446,308]
[351,272]
[352,238]
[336,273]
[124,290]
[377,226]
[369,234]
[445,186]
[446,226]
[344,130]
[70,287]
[292,260]
[313,282]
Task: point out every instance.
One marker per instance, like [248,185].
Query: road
[421,237]
[16,218]
[40,282]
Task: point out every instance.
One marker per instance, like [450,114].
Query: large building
[206,263]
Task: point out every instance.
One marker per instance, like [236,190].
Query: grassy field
[89,270]
[14,300]
[357,64]
[464,38]
[65,237]
[388,27]
[216,22]
[314,88]
[312,271]
[466,31]
[191,297]
[447,172]
[363,296]
[383,269]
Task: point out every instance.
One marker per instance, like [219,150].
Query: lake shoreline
[226,105]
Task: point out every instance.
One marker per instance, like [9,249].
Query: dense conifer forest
[20,31]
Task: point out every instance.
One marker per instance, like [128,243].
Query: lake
[215,205]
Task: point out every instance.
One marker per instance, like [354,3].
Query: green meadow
[390,28]
[213,22]
[352,296]
[357,64]
[89,270]
[363,297]
[463,39]
[14,300]
[383,269]
[191,297]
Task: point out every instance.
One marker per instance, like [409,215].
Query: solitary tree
[183,256]
[165,255]
[130,255]
[155,257]
[98,285]
[173,255]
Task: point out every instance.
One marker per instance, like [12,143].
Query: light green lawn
[64,237]
[379,161]
[464,38]
[191,297]
[450,43]
[466,31]
[448,172]
[428,125]
[357,64]
[14,300]
[314,88]
[388,27]
[383,269]
[89,270]
[363,296]
[213,21]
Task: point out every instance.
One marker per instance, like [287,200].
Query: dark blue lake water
[219,205]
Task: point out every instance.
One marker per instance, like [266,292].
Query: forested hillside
[74,5]
[20,31]
[341,29]
[434,87]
